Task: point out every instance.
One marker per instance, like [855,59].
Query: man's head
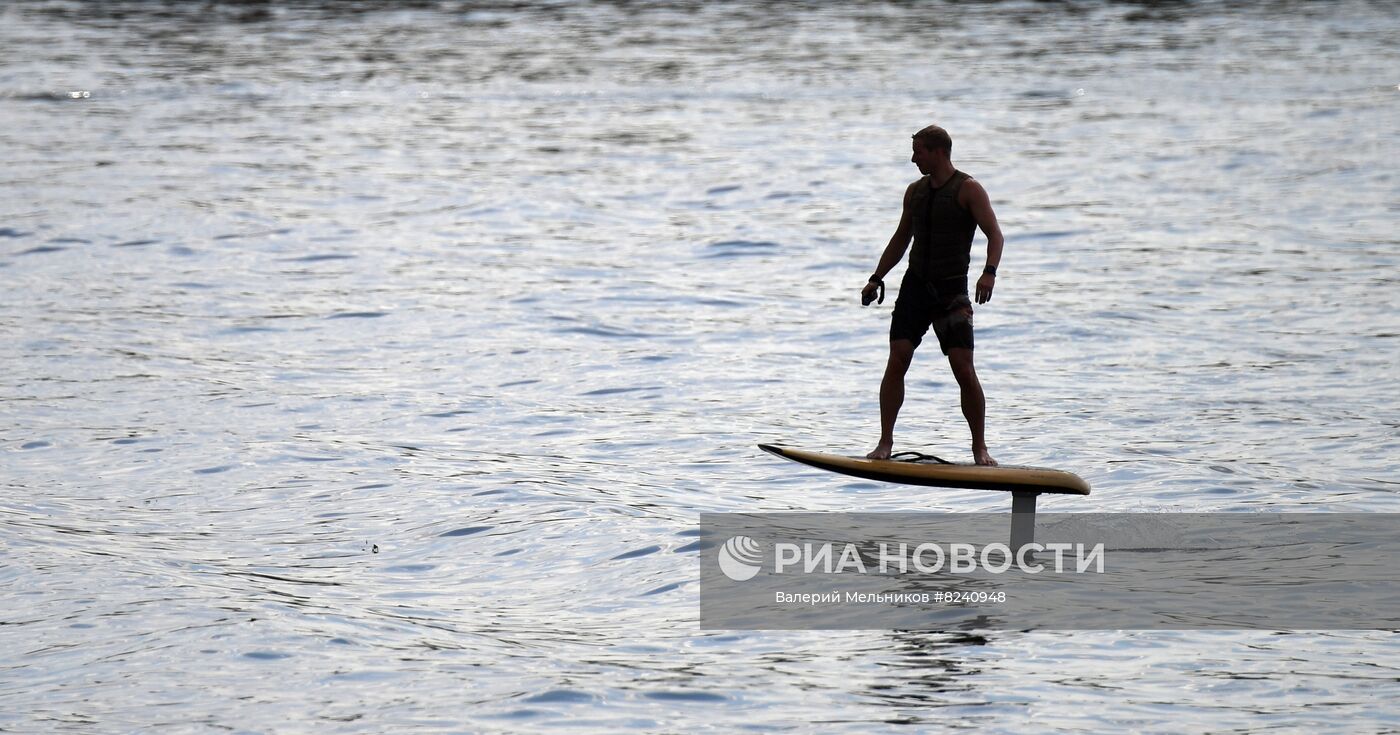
[931,144]
[935,138]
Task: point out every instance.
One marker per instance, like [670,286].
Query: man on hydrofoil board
[941,212]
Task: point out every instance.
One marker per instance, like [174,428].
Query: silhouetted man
[941,212]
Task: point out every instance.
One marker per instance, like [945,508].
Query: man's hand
[868,294]
[984,287]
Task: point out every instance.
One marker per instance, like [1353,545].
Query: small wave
[467,531]
[319,258]
[358,315]
[740,248]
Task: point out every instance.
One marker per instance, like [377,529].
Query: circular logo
[740,558]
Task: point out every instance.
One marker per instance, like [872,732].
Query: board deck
[931,473]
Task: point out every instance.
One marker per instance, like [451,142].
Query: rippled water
[367,370]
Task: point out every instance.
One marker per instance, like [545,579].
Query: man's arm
[899,242]
[981,207]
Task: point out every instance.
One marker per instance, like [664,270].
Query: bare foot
[980,456]
[882,450]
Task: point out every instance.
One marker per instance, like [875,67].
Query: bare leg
[892,394]
[974,403]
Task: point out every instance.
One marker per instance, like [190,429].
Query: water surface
[367,369]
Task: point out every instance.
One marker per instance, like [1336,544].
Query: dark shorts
[943,305]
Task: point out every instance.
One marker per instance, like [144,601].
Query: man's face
[923,158]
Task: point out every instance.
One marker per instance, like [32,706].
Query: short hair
[934,138]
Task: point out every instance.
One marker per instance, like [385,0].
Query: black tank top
[942,230]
